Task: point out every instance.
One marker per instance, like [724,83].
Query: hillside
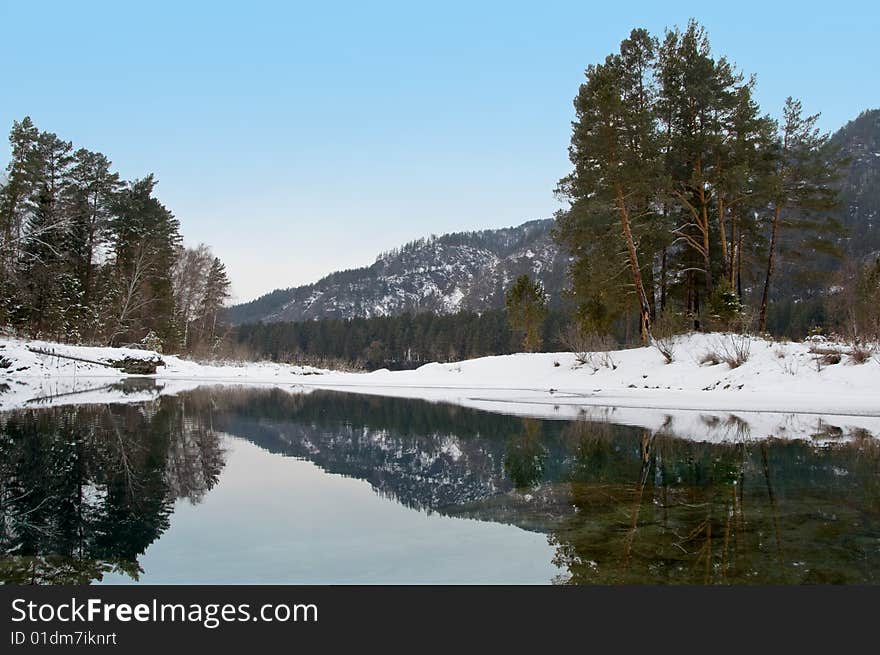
[445,274]
[859,140]
[472,270]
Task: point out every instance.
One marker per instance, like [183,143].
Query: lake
[261,485]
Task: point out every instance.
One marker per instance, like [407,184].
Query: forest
[87,257]
[684,193]
[393,342]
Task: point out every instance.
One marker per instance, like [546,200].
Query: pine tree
[44,292]
[144,238]
[806,168]
[614,150]
[93,191]
[526,311]
[21,180]
[698,96]
[41,290]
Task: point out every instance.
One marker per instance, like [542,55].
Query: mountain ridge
[470,271]
[442,274]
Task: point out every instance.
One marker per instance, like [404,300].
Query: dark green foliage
[526,311]
[144,237]
[678,177]
[85,257]
[394,342]
[725,309]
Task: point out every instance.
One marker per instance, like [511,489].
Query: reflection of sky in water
[274,519]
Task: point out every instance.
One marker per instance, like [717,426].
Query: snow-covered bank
[781,389]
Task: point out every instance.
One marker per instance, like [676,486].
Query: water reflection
[86,489]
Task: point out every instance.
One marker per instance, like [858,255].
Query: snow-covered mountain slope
[446,274]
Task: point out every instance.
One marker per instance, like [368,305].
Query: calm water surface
[235,485]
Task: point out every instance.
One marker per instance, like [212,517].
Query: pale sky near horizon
[297,139]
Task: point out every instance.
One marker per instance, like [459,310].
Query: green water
[237,485]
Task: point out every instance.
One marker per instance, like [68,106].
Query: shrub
[664,333]
[589,348]
[860,353]
[734,349]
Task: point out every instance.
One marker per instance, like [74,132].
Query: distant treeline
[396,342]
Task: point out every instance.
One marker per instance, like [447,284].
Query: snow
[781,390]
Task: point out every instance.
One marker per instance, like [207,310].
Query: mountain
[859,140]
[472,270]
[445,274]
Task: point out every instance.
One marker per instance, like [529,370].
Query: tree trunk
[739,265]
[644,306]
[707,260]
[663,281]
[770,260]
[722,233]
[732,248]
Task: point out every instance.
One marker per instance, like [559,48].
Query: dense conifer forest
[87,257]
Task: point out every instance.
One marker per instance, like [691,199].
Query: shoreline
[775,393]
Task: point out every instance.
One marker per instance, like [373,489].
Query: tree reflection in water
[85,489]
[769,511]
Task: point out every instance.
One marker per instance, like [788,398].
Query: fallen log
[130,365]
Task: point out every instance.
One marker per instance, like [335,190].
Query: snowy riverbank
[793,389]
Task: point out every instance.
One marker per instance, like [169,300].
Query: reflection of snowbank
[780,391]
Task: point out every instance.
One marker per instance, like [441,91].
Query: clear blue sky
[301,138]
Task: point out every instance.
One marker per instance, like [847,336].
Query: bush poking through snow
[665,332]
[602,358]
[589,348]
[711,358]
[734,349]
[666,346]
[790,365]
[860,353]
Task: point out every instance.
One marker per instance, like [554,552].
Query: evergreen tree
[93,191]
[614,150]
[806,169]
[679,178]
[526,311]
[21,180]
[45,293]
[215,295]
[698,95]
[144,239]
